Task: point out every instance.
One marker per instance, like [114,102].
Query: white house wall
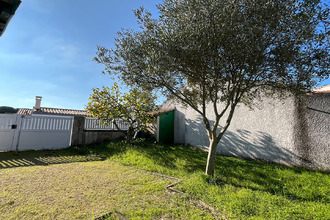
[270,132]
[317,142]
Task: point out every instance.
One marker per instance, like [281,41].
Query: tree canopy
[7,109]
[133,108]
[227,51]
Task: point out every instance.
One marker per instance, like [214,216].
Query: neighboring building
[38,110]
[294,132]
[7,11]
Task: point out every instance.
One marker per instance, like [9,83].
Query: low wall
[80,136]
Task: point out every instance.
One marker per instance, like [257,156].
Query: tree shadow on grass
[254,175]
[240,173]
[43,158]
[187,158]
[257,170]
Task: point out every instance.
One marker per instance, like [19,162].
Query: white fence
[8,133]
[96,124]
[18,132]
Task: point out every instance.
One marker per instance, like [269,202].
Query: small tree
[110,105]
[224,51]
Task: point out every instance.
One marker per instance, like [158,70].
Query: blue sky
[48,48]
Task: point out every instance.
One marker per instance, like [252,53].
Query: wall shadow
[244,144]
[172,156]
[240,173]
[42,158]
[179,127]
[253,173]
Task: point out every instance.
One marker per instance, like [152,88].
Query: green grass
[67,189]
[90,181]
[240,189]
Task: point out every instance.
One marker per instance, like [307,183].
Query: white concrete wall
[270,132]
[317,142]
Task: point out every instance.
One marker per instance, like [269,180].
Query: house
[7,11]
[294,131]
[38,110]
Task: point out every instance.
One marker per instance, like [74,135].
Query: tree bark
[129,136]
[214,140]
[211,157]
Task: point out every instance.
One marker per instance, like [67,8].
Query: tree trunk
[129,136]
[211,157]
[128,139]
[215,139]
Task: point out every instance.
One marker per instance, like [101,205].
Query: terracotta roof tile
[162,111]
[322,89]
[24,111]
[53,111]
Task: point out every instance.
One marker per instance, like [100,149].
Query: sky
[48,49]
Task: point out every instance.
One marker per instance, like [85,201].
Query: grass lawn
[88,182]
[62,185]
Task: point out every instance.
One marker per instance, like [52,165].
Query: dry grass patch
[88,190]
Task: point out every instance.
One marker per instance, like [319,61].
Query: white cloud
[56,49]
[7,57]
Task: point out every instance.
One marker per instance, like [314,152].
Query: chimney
[38,103]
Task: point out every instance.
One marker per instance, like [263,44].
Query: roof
[24,111]
[7,11]
[52,111]
[162,111]
[322,89]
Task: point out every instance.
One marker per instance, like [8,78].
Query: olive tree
[133,108]
[223,51]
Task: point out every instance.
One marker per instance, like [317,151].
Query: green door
[166,127]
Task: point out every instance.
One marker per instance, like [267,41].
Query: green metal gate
[166,127]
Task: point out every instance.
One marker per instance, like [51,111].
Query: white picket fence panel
[96,124]
[45,132]
[8,135]
[35,132]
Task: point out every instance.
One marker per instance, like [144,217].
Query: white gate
[8,131]
[36,132]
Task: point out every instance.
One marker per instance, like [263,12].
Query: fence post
[16,126]
[17,134]
[78,127]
